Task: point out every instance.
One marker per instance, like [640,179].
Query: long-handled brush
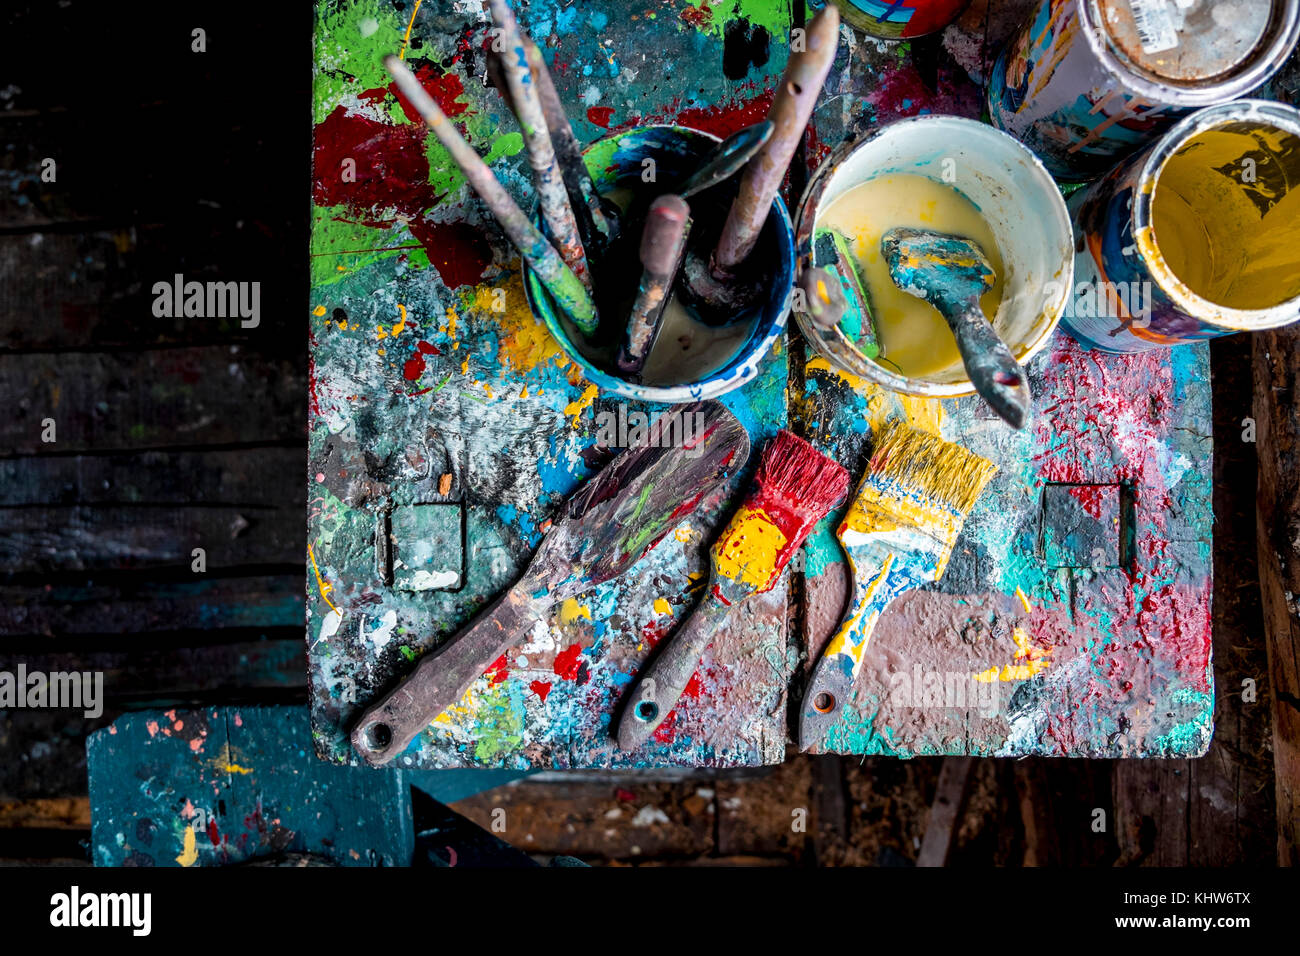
[898,535]
[795,487]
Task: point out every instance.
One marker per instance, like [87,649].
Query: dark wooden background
[174,434]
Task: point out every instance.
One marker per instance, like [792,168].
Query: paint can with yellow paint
[1197,236]
[1087,82]
[993,187]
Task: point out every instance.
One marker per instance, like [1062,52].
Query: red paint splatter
[213,834]
[693,687]
[665,732]
[459,252]
[445,88]
[699,17]
[723,119]
[392,172]
[413,368]
[497,670]
[568,662]
[624,795]
[541,688]
[600,116]
[428,348]
[1090,498]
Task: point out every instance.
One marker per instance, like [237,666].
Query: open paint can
[899,19]
[1197,236]
[912,166]
[690,361]
[1088,82]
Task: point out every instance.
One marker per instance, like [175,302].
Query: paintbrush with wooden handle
[608,525]
[560,281]
[898,533]
[663,240]
[795,487]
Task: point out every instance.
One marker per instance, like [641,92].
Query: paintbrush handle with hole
[876,583]
[443,676]
[992,369]
[664,680]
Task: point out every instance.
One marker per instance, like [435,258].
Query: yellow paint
[883,405]
[1231,237]
[571,610]
[860,621]
[749,548]
[1035,662]
[662,606]
[407,38]
[400,324]
[684,534]
[575,408]
[914,337]
[321,584]
[189,849]
[318,311]
[1024,601]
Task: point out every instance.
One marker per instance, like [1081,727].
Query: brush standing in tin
[898,533]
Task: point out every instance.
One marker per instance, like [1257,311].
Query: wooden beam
[1277,419]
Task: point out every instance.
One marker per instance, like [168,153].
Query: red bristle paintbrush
[795,487]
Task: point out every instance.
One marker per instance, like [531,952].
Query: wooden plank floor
[175,433]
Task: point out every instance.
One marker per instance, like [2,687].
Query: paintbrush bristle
[917,483]
[795,487]
[793,470]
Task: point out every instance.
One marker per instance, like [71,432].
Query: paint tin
[1013,193]
[1088,82]
[618,162]
[900,19]
[1195,237]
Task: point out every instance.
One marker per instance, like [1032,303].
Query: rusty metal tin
[1222,186]
[900,19]
[1087,82]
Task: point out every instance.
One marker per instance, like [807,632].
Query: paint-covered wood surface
[1075,615]
[226,785]
[434,387]
[1074,619]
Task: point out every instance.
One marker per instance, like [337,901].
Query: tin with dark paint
[1087,82]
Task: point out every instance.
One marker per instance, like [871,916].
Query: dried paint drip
[898,534]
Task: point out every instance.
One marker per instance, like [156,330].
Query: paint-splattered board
[447,426]
[1074,619]
[416,376]
[228,785]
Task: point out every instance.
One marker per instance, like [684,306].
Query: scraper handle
[993,370]
[442,677]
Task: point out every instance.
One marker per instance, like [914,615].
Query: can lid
[1186,41]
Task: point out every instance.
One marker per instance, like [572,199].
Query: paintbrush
[831,251]
[552,196]
[795,487]
[565,288]
[608,525]
[898,534]
[951,273]
[663,240]
[717,286]
[597,222]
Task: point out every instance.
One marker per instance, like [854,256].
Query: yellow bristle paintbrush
[898,534]
[796,486]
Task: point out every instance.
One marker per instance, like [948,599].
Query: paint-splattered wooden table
[446,426]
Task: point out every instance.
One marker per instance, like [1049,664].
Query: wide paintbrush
[605,528]
[898,533]
[795,487]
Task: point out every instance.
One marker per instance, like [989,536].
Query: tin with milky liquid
[1196,236]
[900,19]
[1088,82]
